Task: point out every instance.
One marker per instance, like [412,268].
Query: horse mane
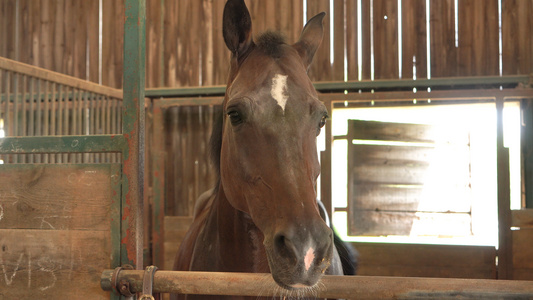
[270,43]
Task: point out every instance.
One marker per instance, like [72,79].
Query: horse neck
[238,240]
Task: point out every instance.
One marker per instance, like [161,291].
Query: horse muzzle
[298,257]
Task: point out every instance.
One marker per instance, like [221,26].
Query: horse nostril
[284,246]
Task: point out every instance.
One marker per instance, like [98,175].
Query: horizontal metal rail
[62,144]
[350,287]
[341,86]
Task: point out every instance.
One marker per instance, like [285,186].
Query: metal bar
[59,78]
[133,130]
[341,86]
[349,287]
[433,95]
[453,82]
[39,121]
[188,101]
[62,144]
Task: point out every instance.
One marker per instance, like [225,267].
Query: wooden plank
[352,50]
[365,40]
[426,255]
[522,257]
[385,131]
[112,43]
[175,230]
[36,72]
[522,218]
[338,15]
[54,198]
[378,223]
[385,39]
[410,165]
[154,43]
[517,28]
[425,271]
[414,42]
[478,48]
[444,54]
[408,198]
[53,264]
[320,69]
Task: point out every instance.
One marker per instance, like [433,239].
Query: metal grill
[33,103]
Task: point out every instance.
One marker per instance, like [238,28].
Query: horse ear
[237,27]
[310,38]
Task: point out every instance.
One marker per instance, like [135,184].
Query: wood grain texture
[417,260]
[55,230]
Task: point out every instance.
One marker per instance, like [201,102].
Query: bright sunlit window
[456,194]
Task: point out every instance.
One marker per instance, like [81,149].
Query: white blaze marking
[279,90]
[309,257]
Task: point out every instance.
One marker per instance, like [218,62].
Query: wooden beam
[36,72]
[350,287]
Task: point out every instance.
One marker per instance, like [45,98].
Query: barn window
[421,173]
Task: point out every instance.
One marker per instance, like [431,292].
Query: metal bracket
[148,283]
[122,287]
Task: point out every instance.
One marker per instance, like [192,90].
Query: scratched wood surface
[55,234]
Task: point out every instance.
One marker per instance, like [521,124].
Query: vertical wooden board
[91,26]
[414,42]
[3,30]
[170,43]
[154,16]
[386,39]
[297,23]
[112,43]
[207,50]
[59,36]
[24,37]
[46,30]
[517,45]
[79,39]
[69,36]
[320,69]
[478,38]
[366,25]
[222,54]
[10,25]
[53,264]
[338,40]
[35,14]
[351,40]
[257,11]
[190,42]
[442,30]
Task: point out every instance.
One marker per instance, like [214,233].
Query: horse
[262,216]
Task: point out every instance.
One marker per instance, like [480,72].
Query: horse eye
[234,117]
[322,121]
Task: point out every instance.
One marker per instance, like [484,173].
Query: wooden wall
[185,45]
[64,242]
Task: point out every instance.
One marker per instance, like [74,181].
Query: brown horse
[263,215]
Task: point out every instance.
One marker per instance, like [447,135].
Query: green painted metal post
[133,130]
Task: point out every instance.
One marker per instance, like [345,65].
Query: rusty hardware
[122,287]
[148,283]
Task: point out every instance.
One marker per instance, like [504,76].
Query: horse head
[268,157]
